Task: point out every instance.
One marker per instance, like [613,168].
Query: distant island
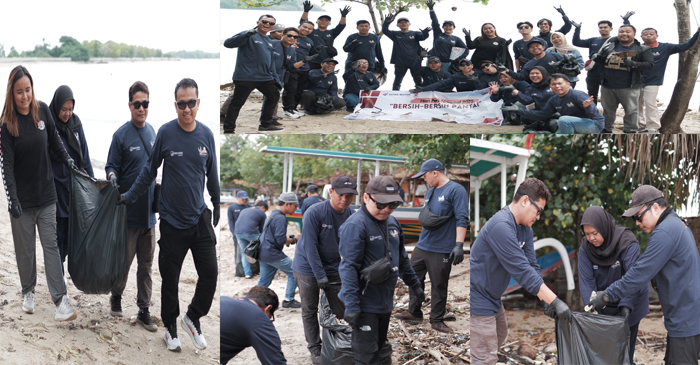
[284,6]
[77,51]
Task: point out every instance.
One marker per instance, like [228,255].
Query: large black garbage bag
[336,347]
[98,251]
[593,339]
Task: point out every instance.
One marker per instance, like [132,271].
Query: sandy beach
[95,337]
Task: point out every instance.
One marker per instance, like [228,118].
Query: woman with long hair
[489,46]
[70,130]
[28,138]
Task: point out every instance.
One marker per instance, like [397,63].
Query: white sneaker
[64,312]
[291,115]
[195,332]
[28,304]
[173,343]
[301,114]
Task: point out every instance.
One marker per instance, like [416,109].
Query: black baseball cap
[434,59]
[448,22]
[537,40]
[325,16]
[642,195]
[384,189]
[468,62]
[429,165]
[344,184]
[311,188]
[400,19]
[330,60]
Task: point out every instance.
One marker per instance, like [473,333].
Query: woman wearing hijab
[607,252]
[70,130]
[28,141]
[563,47]
[537,93]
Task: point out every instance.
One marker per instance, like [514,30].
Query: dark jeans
[400,72]
[593,84]
[438,267]
[369,336]
[293,89]
[174,244]
[62,239]
[682,350]
[241,91]
[309,293]
[308,98]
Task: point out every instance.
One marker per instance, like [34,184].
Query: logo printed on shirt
[495,43]
[616,264]
[411,37]
[173,153]
[327,225]
[595,267]
[202,151]
[394,233]
[135,148]
[656,54]
[41,125]
[522,244]
[445,260]
[570,104]
[152,143]
[552,63]
[441,199]
[371,41]
[372,238]
[257,42]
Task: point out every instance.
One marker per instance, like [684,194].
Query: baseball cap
[330,60]
[325,16]
[400,19]
[434,59]
[642,195]
[384,189]
[344,184]
[429,165]
[278,28]
[448,22]
[242,194]
[468,62]
[289,197]
[311,188]
[537,40]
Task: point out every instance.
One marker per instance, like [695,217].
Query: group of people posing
[335,250]
[299,62]
[40,146]
[609,263]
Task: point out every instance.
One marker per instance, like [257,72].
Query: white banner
[472,107]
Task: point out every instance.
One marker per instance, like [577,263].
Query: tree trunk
[687,70]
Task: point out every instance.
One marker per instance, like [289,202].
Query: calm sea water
[101,93]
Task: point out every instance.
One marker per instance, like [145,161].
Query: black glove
[625,312]
[426,30]
[549,311]
[344,11]
[294,239]
[416,90]
[379,66]
[467,33]
[389,18]
[600,301]
[217,216]
[320,48]
[577,25]
[122,199]
[16,210]
[307,6]
[508,88]
[113,181]
[560,10]
[71,164]
[354,43]
[562,310]
[629,63]
[653,285]
[309,58]
[457,254]
[430,4]
[351,318]
[323,283]
[251,31]
[278,86]
[367,89]
[627,15]
[420,294]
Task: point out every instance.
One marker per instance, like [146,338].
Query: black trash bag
[593,339]
[98,249]
[336,346]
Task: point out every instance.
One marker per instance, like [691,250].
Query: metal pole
[284,174]
[291,172]
[359,182]
[503,183]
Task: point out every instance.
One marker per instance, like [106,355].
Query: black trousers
[309,293]
[682,350]
[237,256]
[62,239]
[308,98]
[438,266]
[400,72]
[369,337]
[593,85]
[241,91]
[174,244]
[293,89]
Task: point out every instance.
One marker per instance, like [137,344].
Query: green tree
[13,52]
[2,50]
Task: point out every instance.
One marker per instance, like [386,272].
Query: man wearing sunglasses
[356,81]
[132,145]
[536,46]
[187,150]
[364,239]
[504,248]
[322,36]
[248,321]
[254,70]
[545,26]
[316,259]
[522,54]
[671,258]
[439,246]
[468,80]
[322,84]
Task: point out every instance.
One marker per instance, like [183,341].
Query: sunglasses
[292,36]
[363,63]
[267,22]
[381,206]
[524,27]
[539,210]
[137,104]
[638,218]
[184,104]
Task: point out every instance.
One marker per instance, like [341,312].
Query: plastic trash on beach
[98,251]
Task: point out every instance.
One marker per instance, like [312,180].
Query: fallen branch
[434,353]
[414,359]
